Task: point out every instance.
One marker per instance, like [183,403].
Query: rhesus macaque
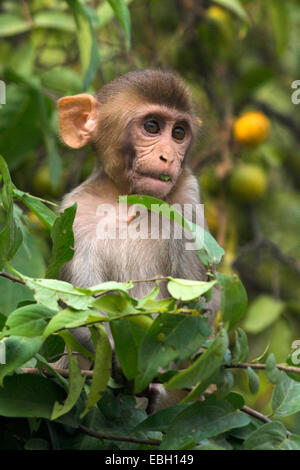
[141,127]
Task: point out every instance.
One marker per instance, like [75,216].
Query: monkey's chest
[137,249]
[138,260]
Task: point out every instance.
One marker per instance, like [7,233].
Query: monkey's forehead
[153,86]
[162,111]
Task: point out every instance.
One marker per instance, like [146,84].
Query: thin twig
[163,278]
[45,201]
[255,414]
[111,437]
[259,366]
[89,373]
[260,416]
[62,372]
[11,277]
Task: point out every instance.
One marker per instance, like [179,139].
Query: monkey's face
[160,138]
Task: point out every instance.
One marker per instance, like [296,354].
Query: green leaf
[261,357]
[204,367]
[69,82]
[253,380]
[55,162]
[18,351]
[101,370]
[224,383]
[209,251]
[60,379]
[241,349]
[185,289]
[233,299]
[202,386]
[37,444]
[286,397]
[212,445]
[272,436]
[75,345]
[263,311]
[42,104]
[116,305]
[292,360]
[279,16]
[10,25]
[111,286]
[18,117]
[87,42]
[125,346]
[170,337]
[7,190]
[11,235]
[10,238]
[29,396]
[105,13]
[54,20]
[76,383]
[203,420]
[23,58]
[50,292]
[236,7]
[69,318]
[122,13]
[161,420]
[29,260]
[47,216]
[272,372]
[29,321]
[63,241]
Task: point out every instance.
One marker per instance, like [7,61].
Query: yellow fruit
[252,128]
[218,14]
[248,182]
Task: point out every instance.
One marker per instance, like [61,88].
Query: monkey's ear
[78,119]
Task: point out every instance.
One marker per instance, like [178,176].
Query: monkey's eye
[178,133]
[151,126]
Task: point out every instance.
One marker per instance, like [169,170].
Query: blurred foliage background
[239,58]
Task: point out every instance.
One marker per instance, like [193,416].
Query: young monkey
[141,127]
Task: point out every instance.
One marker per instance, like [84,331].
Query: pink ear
[78,119]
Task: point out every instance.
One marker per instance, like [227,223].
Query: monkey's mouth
[163,177]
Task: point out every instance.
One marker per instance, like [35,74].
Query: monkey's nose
[167,159]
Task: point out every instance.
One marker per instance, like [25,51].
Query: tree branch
[89,373]
[11,277]
[111,437]
[62,372]
[259,366]
[255,414]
